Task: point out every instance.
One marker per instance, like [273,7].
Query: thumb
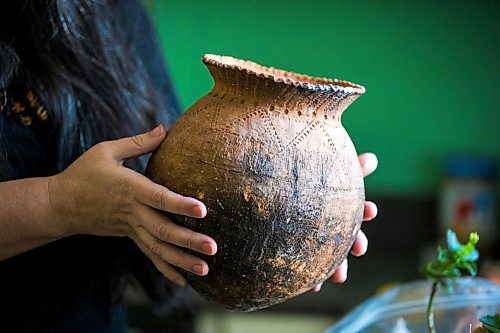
[136,145]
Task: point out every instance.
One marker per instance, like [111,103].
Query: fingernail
[159,130]
[343,278]
[207,248]
[371,163]
[373,210]
[199,269]
[199,211]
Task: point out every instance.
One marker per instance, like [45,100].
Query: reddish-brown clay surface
[266,152]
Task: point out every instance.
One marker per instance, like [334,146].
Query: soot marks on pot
[322,178]
[260,163]
[309,176]
[253,225]
[295,169]
[324,170]
[341,94]
[320,241]
[339,238]
[263,233]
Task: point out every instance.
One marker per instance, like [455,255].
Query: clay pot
[267,154]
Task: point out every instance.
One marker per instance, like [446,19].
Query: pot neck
[239,82]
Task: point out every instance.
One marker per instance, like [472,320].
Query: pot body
[280,178]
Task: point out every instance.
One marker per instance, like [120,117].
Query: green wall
[431,70]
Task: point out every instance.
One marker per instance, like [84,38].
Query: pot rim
[283,76]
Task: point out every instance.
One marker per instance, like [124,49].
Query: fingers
[159,197]
[368,162]
[370,212]
[317,288]
[158,238]
[167,231]
[360,244]
[167,270]
[340,275]
[171,254]
[136,145]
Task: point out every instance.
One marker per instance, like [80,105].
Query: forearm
[26,218]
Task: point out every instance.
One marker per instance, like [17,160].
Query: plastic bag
[403,309]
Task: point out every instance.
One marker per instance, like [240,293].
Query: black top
[73,284]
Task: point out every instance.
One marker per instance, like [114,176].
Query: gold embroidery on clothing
[32,99]
[26,120]
[18,107]
[42,113]
[25,112]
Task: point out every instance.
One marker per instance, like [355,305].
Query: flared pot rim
[283,76]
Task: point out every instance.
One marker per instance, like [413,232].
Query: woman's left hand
[368,162]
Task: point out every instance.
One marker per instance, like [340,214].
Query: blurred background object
[468,200]
[432,74]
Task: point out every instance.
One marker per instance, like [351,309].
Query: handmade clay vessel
[266,152]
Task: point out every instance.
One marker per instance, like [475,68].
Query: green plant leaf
[453,242]
[442,254]
[491,323]
[452,272]
[450,263]
[472,256]
[472,268]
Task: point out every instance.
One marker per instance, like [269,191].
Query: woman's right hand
[97,195]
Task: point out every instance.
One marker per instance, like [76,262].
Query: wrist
[59,206]
[27,217]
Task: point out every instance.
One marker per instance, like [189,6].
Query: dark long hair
[80,56]
[97,68]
